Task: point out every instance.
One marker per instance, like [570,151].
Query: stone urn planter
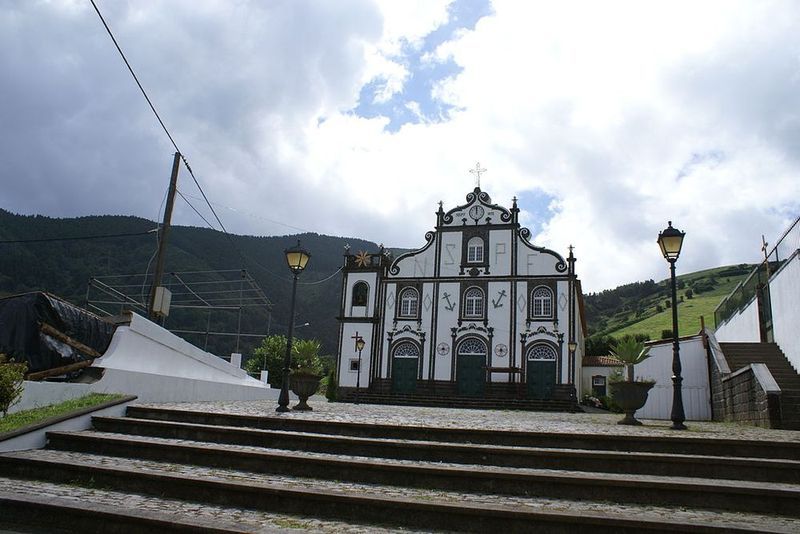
[303,384]
[630,396]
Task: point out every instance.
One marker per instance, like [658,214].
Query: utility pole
[162,240]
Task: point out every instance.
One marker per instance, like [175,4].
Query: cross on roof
[477,171]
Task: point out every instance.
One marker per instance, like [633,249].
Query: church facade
[478,311]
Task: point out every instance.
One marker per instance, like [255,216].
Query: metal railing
[758,279]
[207,307]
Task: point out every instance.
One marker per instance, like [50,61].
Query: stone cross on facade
[477,171]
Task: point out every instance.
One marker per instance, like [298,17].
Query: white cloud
[611,108]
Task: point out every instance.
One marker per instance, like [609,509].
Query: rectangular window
[475,254]
[354,365]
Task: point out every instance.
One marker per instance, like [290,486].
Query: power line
[155,112]
[195,209]
[186,163]
[144,93]
[74,238]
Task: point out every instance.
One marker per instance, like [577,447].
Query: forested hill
[64,267]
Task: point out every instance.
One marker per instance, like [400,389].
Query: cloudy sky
[355,117]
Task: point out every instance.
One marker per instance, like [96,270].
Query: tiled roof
[601,361]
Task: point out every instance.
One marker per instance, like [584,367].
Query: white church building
[478,311]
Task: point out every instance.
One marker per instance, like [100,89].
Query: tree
[269,356]
[689,293]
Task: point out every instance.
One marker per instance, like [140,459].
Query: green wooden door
[404,375]
[470,374]
[541,377]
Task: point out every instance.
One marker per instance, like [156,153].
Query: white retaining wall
[694,370]
[741,326]
[784,290]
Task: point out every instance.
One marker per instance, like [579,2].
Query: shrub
[11,387]
[305,356]
[332,387]
[268,356]
[666,333]
[659,309]
[689,293]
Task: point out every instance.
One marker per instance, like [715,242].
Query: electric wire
[194,209]
[74,238]
[186,162]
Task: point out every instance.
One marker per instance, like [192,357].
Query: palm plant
[630,352]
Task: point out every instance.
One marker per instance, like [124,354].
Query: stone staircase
[477,403]
[740,355]
[171,470]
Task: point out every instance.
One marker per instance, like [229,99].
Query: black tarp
[21,339]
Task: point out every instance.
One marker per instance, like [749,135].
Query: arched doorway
[541,370]
[470,367]
[405,358]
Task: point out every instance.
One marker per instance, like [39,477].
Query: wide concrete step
[508,470]
[24,511]
[730,503]
[475,404]
[670,443]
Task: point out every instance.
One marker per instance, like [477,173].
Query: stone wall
[744,400]
[749,395]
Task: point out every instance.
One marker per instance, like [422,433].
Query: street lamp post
[671,241]
[359,347]
[297,258]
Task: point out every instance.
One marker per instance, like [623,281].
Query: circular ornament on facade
[443,348]
[476,212]
[500,350]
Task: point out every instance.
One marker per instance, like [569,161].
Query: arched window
[542,302]
[541,351]
[473,303]
[360,294]
[406,349]
[409,300]
[472,345]
[475,250]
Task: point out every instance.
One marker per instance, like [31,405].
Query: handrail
[716,352]
[746,290]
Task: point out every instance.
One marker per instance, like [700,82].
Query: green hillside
[647,312]
[64,268]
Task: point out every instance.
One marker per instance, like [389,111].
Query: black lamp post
[670,241]
[297,258]
[359,347]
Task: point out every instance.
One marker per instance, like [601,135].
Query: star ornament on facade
[362,259]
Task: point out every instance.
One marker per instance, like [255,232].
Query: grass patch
[689,311]
[16,420]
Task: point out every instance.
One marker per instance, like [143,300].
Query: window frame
[476,250]
[402,300]
[474,303]
[353,303]
[544,303]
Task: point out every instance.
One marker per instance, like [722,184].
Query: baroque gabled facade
[478,311]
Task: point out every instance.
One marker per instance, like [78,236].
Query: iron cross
[477,171]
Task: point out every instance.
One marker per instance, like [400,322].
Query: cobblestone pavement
[536,504]
[585,423]
[252,520]
[393,461]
